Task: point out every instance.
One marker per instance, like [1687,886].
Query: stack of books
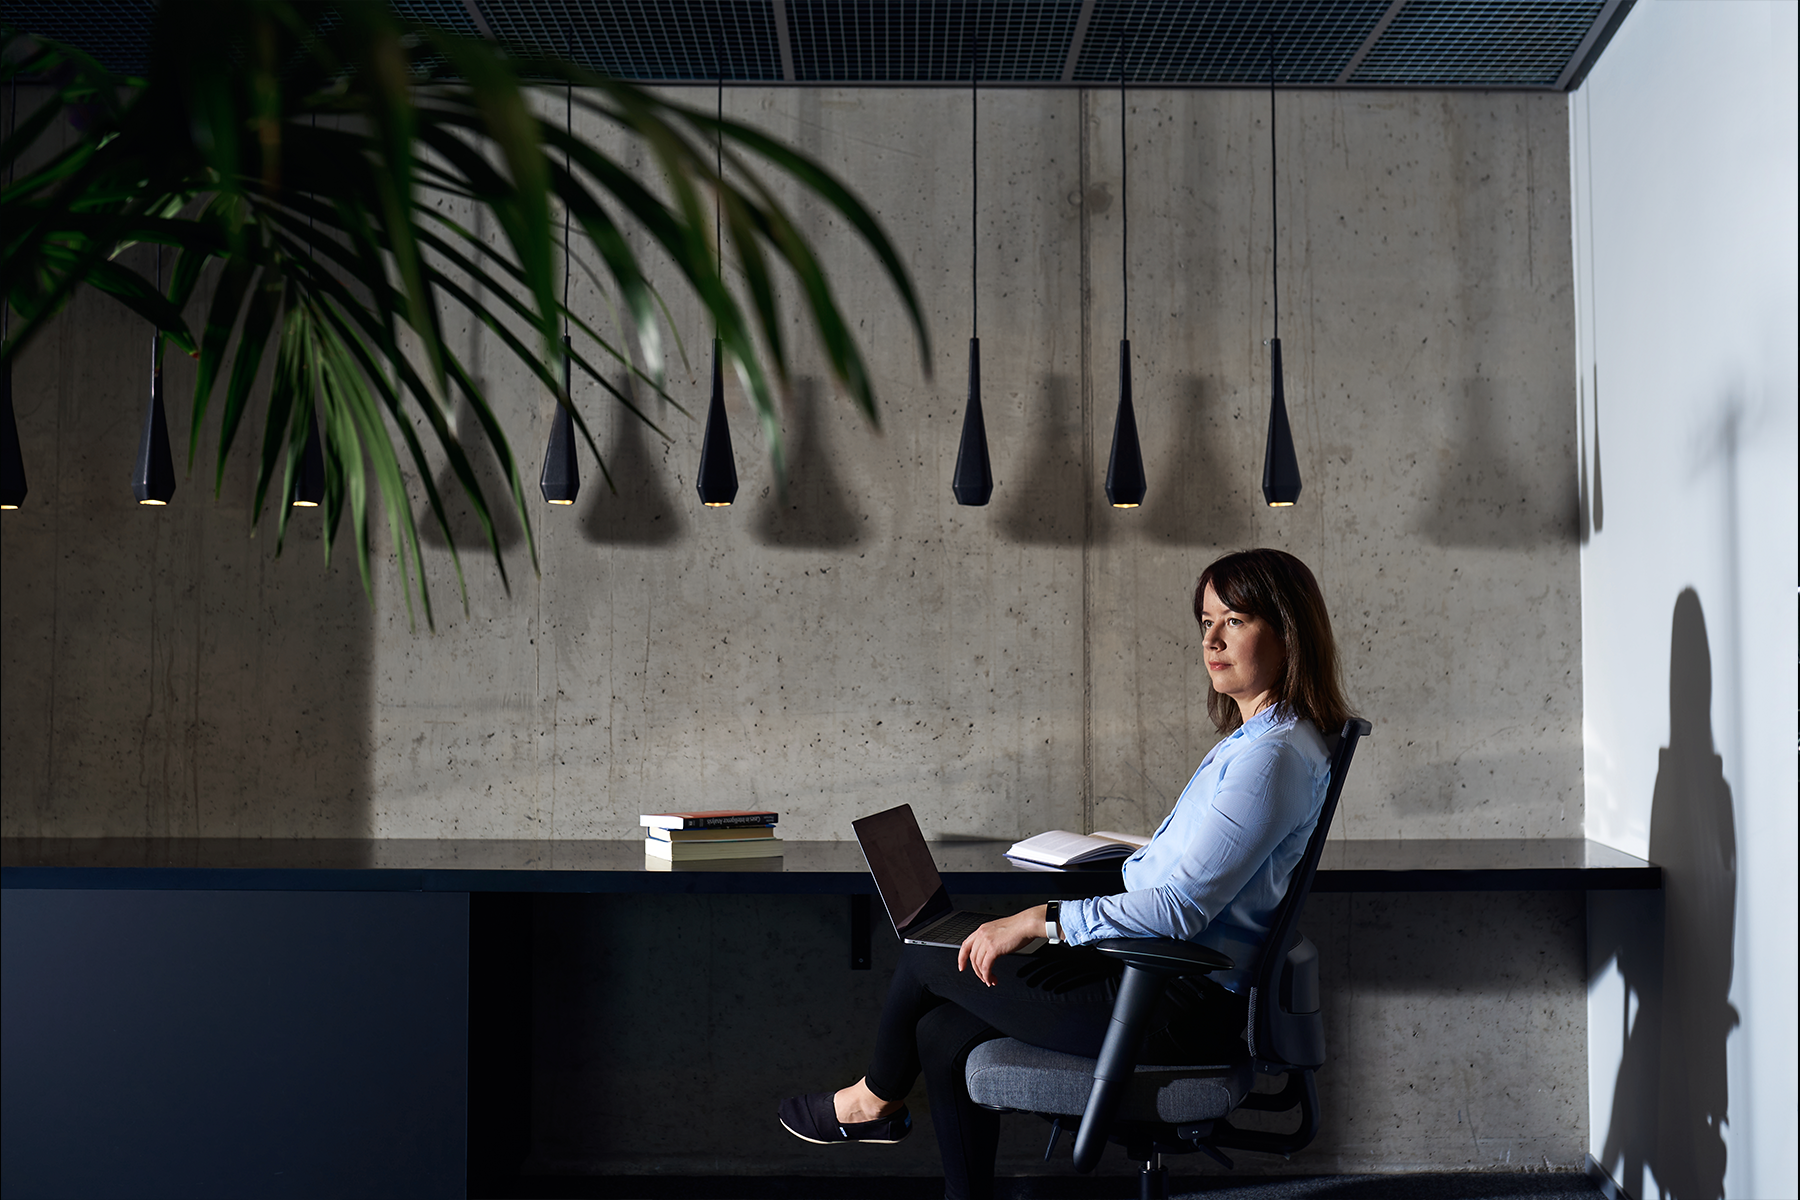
[717,834]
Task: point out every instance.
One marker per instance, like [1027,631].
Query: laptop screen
[900,861]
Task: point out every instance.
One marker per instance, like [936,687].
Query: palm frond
[295,148]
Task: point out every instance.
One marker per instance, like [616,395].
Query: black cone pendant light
[309,480]
[718,482]
[1281,468]
[973,482]
[1125,467]
[12,461]
[560,478]
[153,482]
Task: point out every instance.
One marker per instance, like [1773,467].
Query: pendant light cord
[719,170]
[1124,210]
[12,124]
[568,132]
[974,189]
[156,334]
[1274,208]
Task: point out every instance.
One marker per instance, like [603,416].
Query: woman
[1214,873]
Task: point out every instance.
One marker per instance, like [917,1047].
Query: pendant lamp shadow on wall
[718,482]
[12,459]
[560,478]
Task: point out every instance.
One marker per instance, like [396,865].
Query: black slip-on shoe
[813,1118]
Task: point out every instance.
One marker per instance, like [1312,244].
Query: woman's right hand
[983,948]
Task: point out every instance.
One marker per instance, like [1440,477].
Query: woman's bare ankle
[856,1104]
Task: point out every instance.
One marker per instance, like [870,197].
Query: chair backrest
[1286,1030]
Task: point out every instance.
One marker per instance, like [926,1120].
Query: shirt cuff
[1077,923]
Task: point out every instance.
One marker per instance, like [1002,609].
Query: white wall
[1684,162]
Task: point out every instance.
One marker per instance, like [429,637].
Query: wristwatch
[1052,923]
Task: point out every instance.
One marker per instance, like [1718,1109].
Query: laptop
[910,886]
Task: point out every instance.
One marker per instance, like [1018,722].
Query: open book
[1060,848]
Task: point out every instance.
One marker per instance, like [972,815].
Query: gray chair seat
[1007,1073]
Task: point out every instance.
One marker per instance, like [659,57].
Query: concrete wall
[1685,180]
[863,640]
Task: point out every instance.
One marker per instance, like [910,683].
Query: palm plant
[297,148]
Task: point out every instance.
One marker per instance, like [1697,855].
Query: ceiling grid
[1535,45]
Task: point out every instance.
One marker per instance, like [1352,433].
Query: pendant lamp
[153,482]
[309,480]
[1281,468]
[560,478]
[718,481]
[1125,467]
[12,461]
[973,482]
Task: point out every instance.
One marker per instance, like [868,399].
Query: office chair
[1157,1110]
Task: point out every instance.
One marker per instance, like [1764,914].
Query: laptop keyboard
[953,928]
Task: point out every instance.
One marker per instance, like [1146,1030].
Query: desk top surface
[969,867]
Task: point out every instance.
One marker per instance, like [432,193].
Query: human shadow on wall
[465,528]
[815,512]
[642,512]
[1045,505]
[1669,1100]
[1482,496]
[1194,502]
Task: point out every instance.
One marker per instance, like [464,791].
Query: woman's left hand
[983,948]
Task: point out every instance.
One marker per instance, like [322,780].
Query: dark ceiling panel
[117,32]
[1224,42]
[934,41]
[652,40]
[1528,44]
[1479,43]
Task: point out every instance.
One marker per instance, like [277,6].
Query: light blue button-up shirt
[1219,864]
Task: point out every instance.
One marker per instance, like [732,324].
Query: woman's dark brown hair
[1279,588]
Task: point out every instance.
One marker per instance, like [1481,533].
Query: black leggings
[1059,998]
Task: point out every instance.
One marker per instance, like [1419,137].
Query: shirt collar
[1262,722]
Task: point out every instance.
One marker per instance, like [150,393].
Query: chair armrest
[1168,957]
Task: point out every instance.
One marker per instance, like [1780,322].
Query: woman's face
[1244,655]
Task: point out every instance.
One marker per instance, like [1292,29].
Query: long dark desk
[805,868]
[349,1013]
